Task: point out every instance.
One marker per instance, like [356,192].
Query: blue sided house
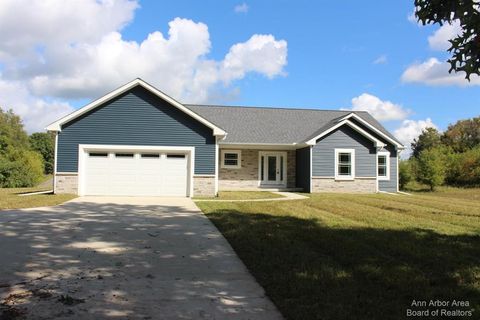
[138,141]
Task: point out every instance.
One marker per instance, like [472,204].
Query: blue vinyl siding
[136,117]
[390,185]
[323,157]
[302,173]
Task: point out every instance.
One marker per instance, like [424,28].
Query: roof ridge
[266,107]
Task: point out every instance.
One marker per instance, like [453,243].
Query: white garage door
[126,173]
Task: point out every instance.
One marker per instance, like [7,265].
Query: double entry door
[273,168]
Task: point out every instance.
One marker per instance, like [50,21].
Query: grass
[241,195]
[10,199]
[358,256]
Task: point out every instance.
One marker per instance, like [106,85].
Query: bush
[431,167]
[44,143]
[464,168]
[405,173]
[20,168]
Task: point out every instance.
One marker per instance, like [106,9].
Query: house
[136,140]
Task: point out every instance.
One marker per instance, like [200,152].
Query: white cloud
[412,18]
[261,53]
[241,8]
[54,54]
[381,59]
[28,25]
[439,39]
[409,130]
[35,112]
[435,73]
[381,110]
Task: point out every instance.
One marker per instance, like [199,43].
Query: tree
[464,168]
[429,138]
[44,143]
[405,173]
[19,166]
[11,131]
[465,47]
[463,135]
[431,167]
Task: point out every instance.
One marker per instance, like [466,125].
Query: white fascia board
[261,146]
[364,122]
[57,125]
[364,133]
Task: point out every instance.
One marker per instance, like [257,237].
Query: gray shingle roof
[274,125]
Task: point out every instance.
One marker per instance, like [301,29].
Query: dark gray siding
[302,173]
[136,117]
[323,157]
[390,185]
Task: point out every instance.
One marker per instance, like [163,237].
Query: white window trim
[352,157]
[226,166]
[387,154]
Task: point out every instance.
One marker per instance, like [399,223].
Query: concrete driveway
[122,258]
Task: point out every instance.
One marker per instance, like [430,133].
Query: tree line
[448,158]
[24,159]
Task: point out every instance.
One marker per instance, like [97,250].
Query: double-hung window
[383,165]
[231,159]
[344,164]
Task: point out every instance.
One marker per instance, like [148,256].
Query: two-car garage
[134,170]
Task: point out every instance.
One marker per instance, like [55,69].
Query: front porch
[257,170]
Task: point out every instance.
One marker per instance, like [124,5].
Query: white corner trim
[387,155]
[352,163]
[396,161]
[83,149]
[217,161]
[55,154]
[377,143]
[311,168]
[239,159]
[57,125]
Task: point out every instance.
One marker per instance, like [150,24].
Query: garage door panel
[154,174]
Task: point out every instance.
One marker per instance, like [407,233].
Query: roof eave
[57,125]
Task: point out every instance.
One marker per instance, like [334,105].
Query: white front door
[273,169]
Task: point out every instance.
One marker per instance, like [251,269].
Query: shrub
[465,170]
[44,143]
[20,168]
[431,167]
[405,173]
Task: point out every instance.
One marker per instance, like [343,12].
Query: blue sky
[331,49]
[334,51]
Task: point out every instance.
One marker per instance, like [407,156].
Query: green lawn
[9,198]
[241,195]
[358,256]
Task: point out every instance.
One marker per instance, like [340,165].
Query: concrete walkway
[123,258]
[285,197]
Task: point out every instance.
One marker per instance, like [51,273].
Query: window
[123,155]
[98,154]
[383,165]
[150,155]
[261,168]
[231,159]
[344,164]
[175,156]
